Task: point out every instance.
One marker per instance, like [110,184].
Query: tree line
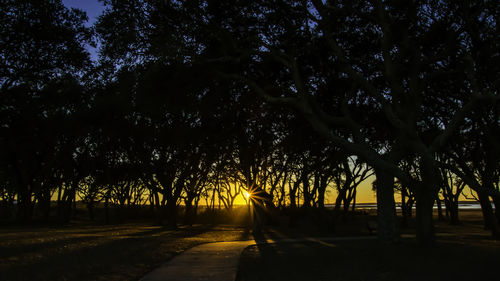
[195,100]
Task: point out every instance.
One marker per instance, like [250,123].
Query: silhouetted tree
[42,55]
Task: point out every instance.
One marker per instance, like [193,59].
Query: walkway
[217,261]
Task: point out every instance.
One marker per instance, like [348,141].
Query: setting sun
[246,194]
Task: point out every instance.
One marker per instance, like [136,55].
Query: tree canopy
[198,99]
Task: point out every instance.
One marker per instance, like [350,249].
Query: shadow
[52,245]
[262,249]
[91,257]
[259,262]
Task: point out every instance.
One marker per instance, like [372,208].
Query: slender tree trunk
[321,196]
[44,202]
[403,207]
[195,209]
[73,213]
[292,194]
[106,207]
[305,191]
[354,200]
[386,208]
[447,206]
[439,209]
[59,193]
[496,201]
[338,202]
[453,205]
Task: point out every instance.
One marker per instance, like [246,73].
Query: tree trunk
[73,213]
[403,208]
[354,200]
[496,201]
[171,209]
[306,192]
[409,207]
[338,202]
[426,194]
[189,214]
[64,208]
[453,212]
[386,208]
[106,208]
[292,194]
[44,202]
[439,209]
[321,194]
[447,206]
[425,224]
[490,221]
[25,206]
[90,209]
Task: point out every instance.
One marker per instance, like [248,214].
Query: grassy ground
[463,252]
[98,252]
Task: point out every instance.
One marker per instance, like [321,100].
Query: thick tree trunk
[425,224]
[386,208]
[427,192]
[171,209]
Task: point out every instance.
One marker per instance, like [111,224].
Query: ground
[463,252]
[367,260]
[90,251]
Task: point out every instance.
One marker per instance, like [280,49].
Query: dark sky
[92,7]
